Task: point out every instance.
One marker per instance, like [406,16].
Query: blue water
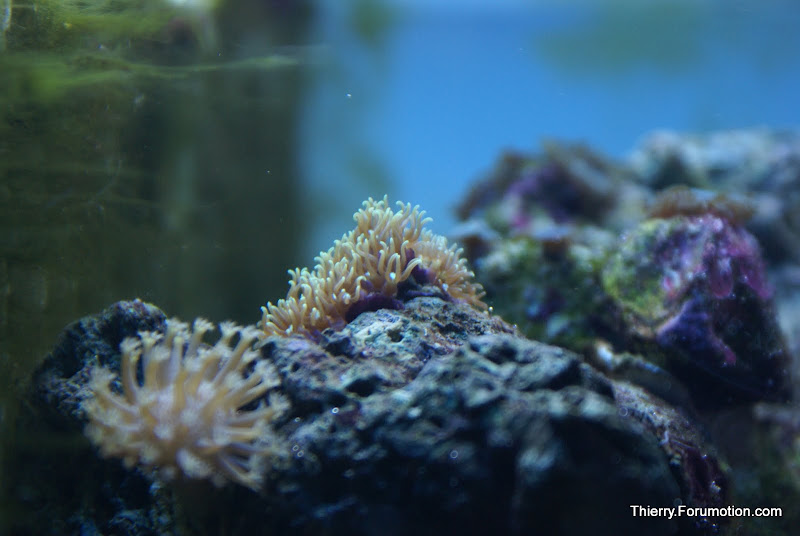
[425,107]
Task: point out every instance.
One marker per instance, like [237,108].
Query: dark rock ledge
[433,419]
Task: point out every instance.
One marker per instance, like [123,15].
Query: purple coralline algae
[762,164]
[525,195]
[695,287]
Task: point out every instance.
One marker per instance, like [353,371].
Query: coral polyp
[364,270]
[187,409]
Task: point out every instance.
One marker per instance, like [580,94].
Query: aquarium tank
[376,267]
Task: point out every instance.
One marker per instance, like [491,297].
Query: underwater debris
[183,413]
[365,269]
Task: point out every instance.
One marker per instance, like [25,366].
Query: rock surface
[435,418]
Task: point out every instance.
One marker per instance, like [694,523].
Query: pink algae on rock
[691,285]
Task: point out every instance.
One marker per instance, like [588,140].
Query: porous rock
[434,418]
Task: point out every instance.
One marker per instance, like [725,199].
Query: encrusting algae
[363,270]
[190,414]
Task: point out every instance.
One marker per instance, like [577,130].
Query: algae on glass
[146,147]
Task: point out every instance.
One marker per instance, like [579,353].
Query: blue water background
[420,100]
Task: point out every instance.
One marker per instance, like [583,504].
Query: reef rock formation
[427,419]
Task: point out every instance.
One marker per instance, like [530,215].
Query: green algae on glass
[54,47]
[88,92]
[108,24]
[105,106]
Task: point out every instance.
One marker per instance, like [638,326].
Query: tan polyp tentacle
[247,390]
[357,292]
[389,246]
[293,294]
[339,296]
[175,330]
[373,225]
[148,341]
[294,275]
[315,319]
[244,444]
[383,260]
[233,361]
[228,330]
[154,360]
[362,256]
[172,330]
[131,353]
[208,447]
[179,391]
[200,328]
[402,250]
[418,227]
[238,437]
[321,304]
[195,377]
[110,399]
[219,395]
[246,477]
[409,268]
[399,221]
[341,280]
[170,366]
[297,313]
[306,291]
[245,419]
[392,266]
[277,313]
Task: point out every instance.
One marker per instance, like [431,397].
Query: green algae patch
[634,279]
[58,25]
[550,291]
